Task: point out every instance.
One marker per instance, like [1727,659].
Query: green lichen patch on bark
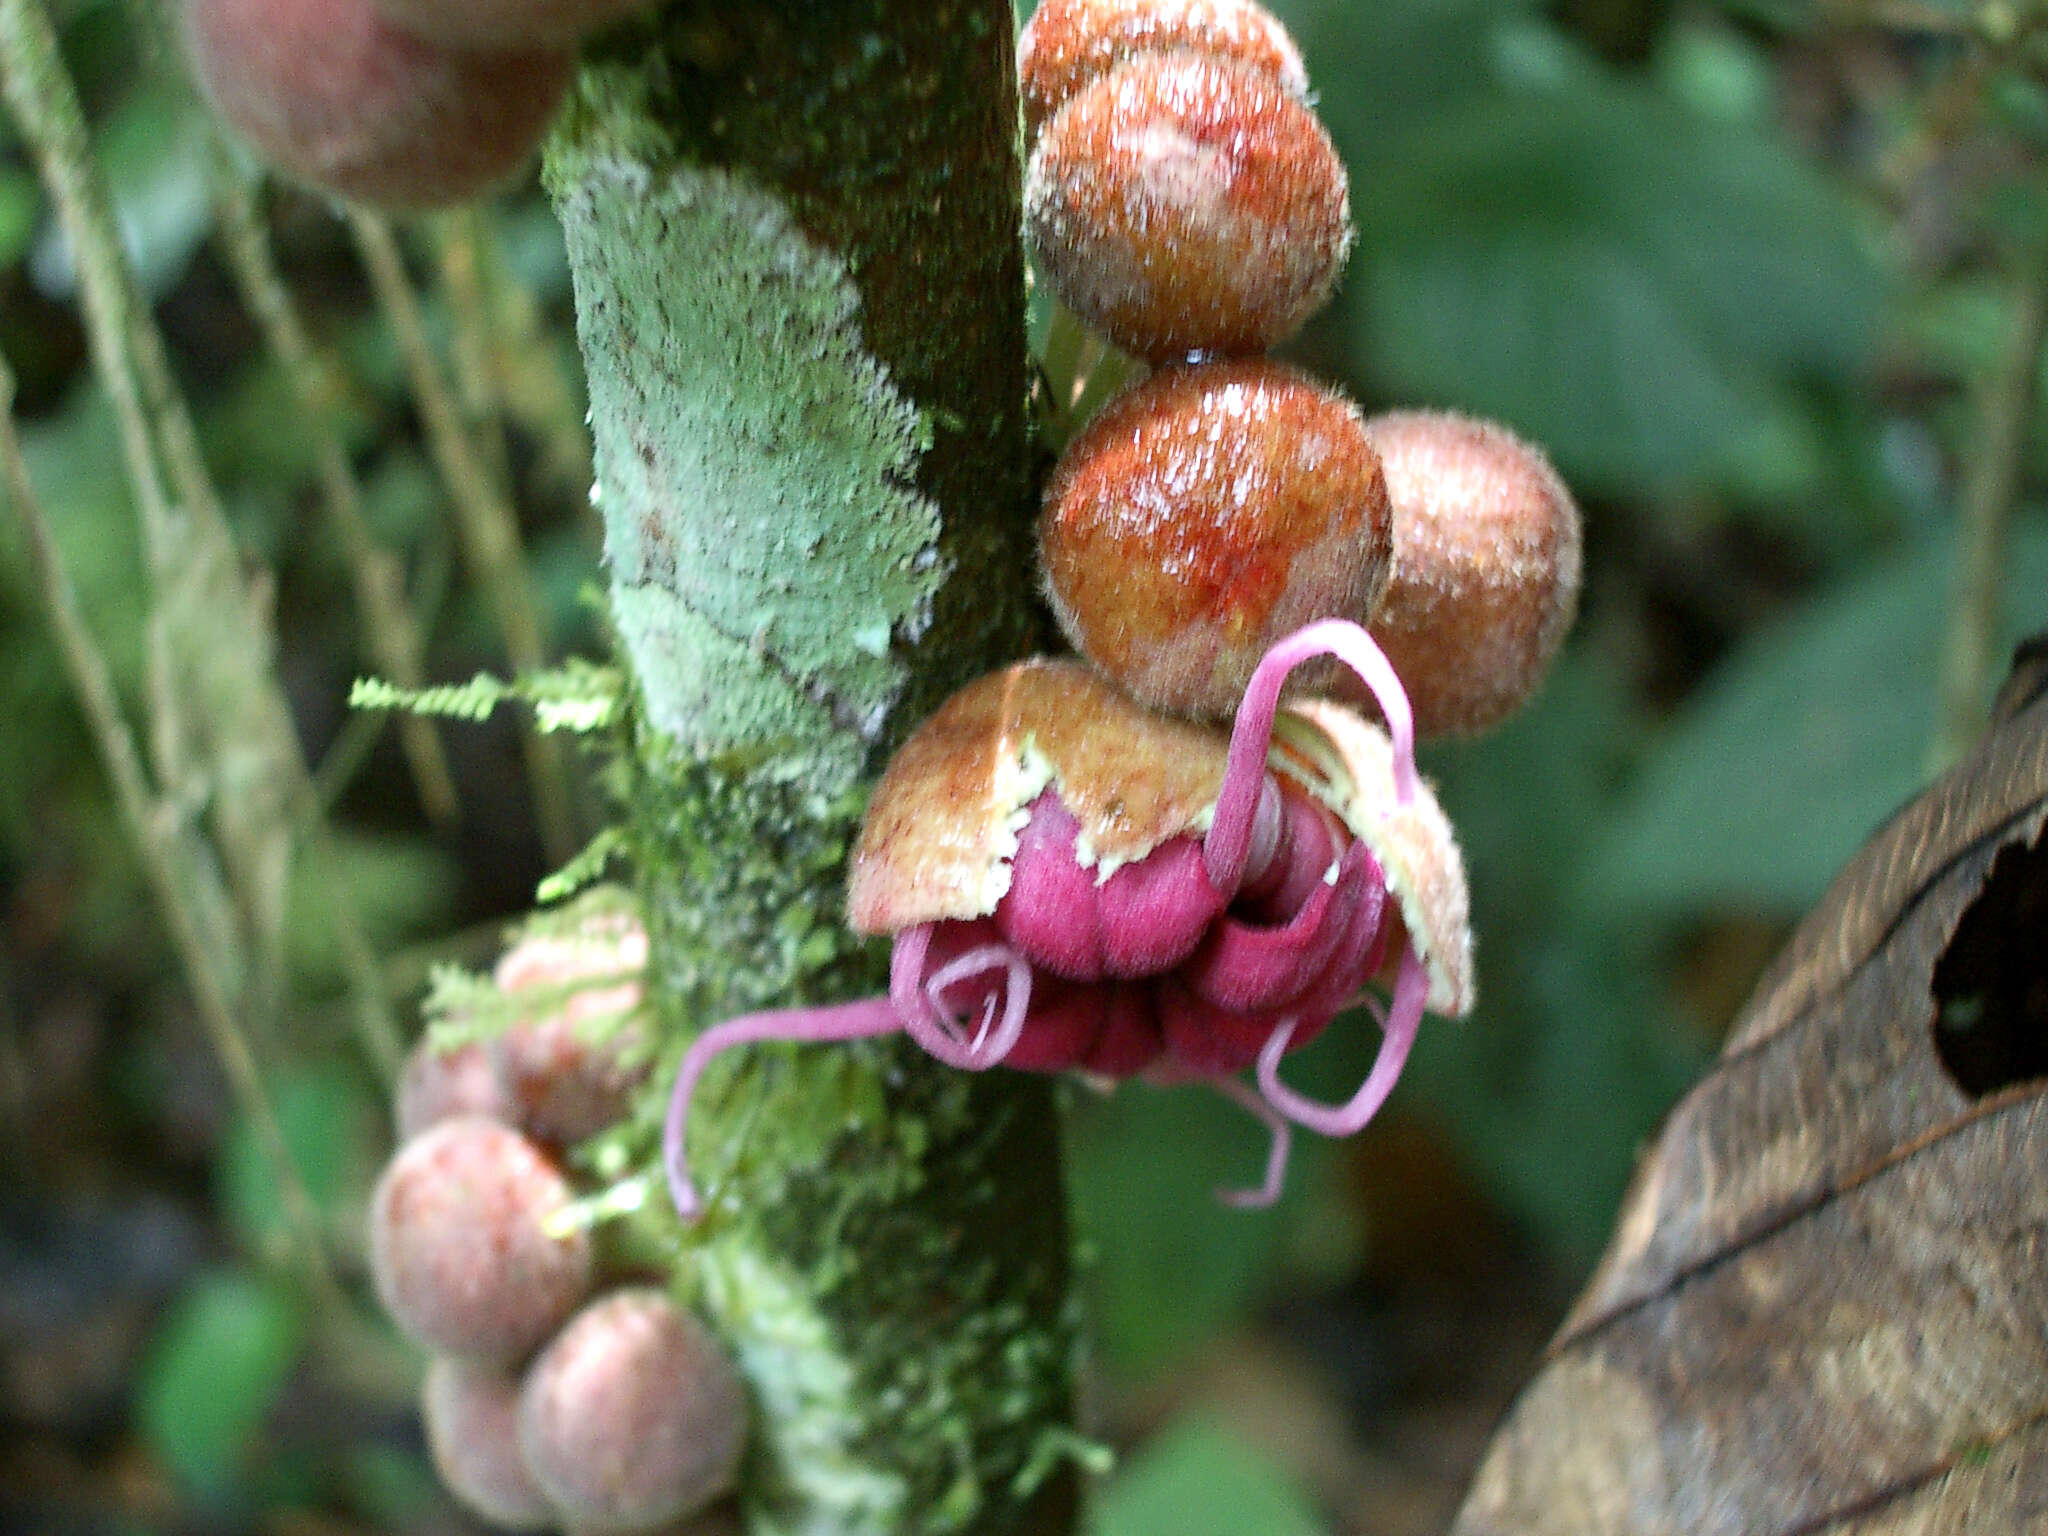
[756,469]
[888,132]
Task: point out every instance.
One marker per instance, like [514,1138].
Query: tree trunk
[800,300]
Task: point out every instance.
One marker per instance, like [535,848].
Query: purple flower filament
[1202,960]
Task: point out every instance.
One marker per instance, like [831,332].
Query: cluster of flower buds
[1078,871]
[1227,499]
[548,1401]
[399,103]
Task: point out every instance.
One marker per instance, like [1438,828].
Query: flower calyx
[1073,882]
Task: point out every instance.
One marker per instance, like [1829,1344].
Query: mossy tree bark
[801,304]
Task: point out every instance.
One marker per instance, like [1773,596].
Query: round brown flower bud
[633,1416]
[1181,204]
[1205,514]
[439,1085]
[570,1069]
[334,94]
[471,1412]
[1485,576]
[508,23]
[1067,43]
[459,1246]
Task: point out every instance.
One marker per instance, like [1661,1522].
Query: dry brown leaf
[1825,1305]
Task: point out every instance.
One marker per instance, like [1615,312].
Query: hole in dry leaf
[1991,983]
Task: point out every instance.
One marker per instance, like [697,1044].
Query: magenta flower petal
[1131,1039]
[1067,1019]
[1049,910]
[1146,917]
[1153,913]
[1211,1041]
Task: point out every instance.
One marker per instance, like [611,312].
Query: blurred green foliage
[220,1359]
[1742,268]
[1196,1480]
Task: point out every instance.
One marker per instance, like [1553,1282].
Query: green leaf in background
[153,151]
[1550,1087]
[1573,1052]
[1381,69]
[390,1487]
[396,885]
[1169,1265]
[254,435]
[1193,1480]
[20,204]
[221,1356]
[74,463]
[52,790]
[1143,1169]
[1960,328]
[333,1129]
[1789,757]
[1627,280]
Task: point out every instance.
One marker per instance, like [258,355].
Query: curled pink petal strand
[926,1020]
[906,976]
[923,1020]
[985,1050]
[1276,1156]
[1411,988]
[845,1021]
[1244,769]
[1252,966]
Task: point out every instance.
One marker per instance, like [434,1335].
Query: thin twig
[391,632]
[476,381]
[42,103]
[516,356]
[215,660]
[1970,657]
[484,519]
[155,833]
[40,96]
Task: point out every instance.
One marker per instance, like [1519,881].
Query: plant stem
[225,734]
[1970,662]
[167,852]
[461,253]
[484,519]
[391,632]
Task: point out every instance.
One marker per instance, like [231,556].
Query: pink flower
[1075,883]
